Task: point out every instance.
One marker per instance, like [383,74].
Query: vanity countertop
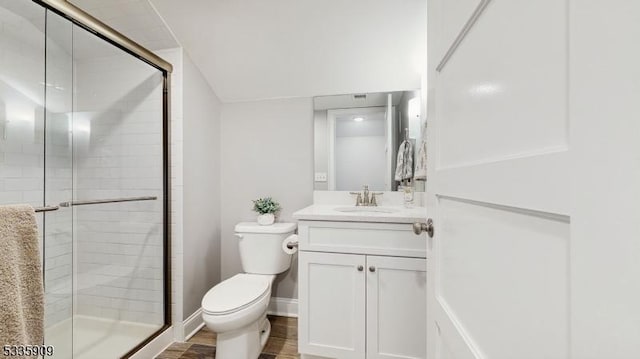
[343,213]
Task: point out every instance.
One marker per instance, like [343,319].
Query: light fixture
[358,119]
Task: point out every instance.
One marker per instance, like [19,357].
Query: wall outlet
[321,177]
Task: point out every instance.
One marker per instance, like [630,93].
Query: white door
[534,185]
[396,293]
[332,305]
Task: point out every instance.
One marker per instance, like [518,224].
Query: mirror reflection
[374,139]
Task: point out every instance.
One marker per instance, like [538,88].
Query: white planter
[266,219]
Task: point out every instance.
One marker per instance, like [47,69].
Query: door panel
[498,112]
[332,305]
[505,271]
[492,99]
[396,293]
[506,178]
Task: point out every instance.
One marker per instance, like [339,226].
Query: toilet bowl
[236,309]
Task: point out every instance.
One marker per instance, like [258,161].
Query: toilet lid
[235,293]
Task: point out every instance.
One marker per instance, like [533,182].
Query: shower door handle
[46,209]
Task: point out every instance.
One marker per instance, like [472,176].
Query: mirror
[357,138]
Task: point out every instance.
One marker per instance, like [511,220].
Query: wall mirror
[357,138]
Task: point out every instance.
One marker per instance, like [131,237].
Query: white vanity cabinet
[362,290]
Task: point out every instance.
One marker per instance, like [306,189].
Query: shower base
[96,338]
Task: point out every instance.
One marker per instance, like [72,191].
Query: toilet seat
[236,294]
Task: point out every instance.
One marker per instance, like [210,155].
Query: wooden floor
[282,343]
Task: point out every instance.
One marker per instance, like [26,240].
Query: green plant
[266,205]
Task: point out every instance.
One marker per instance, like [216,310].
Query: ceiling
[255,49]
[135,19]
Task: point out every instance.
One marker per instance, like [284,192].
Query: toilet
[236,309]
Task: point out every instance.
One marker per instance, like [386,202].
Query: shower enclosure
[83,138]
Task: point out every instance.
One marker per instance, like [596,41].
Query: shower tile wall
[118,154]
[22,139]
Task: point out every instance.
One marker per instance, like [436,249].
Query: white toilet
[236,309]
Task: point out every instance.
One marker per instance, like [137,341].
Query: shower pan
[84,140]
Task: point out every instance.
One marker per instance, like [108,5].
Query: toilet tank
[261,247]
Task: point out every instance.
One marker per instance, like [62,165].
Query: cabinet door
[331,304]
[396,307]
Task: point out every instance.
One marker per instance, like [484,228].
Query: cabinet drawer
[391,239]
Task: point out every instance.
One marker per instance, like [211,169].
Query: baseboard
[285,307]
[156,346]
[193,324]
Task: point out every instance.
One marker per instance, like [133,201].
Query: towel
[404,163]
[21,290]
[420,173]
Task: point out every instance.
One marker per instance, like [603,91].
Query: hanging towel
[21,290]
[421,162]
[404,163]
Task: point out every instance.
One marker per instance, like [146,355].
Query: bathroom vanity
[362,282]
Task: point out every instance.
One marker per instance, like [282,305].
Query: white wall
[201,156]
[267,151]
[195,188]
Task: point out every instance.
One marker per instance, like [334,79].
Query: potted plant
[266,208]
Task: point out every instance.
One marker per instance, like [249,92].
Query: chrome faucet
[366,198]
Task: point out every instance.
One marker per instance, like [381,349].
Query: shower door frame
[108,34]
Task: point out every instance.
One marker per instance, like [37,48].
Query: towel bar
[96,201]
[110,200]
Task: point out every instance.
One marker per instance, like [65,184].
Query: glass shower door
[82,126]
[117,204]
[58,164]
[25,170]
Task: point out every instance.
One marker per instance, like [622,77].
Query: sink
[365,209]
[347,212]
